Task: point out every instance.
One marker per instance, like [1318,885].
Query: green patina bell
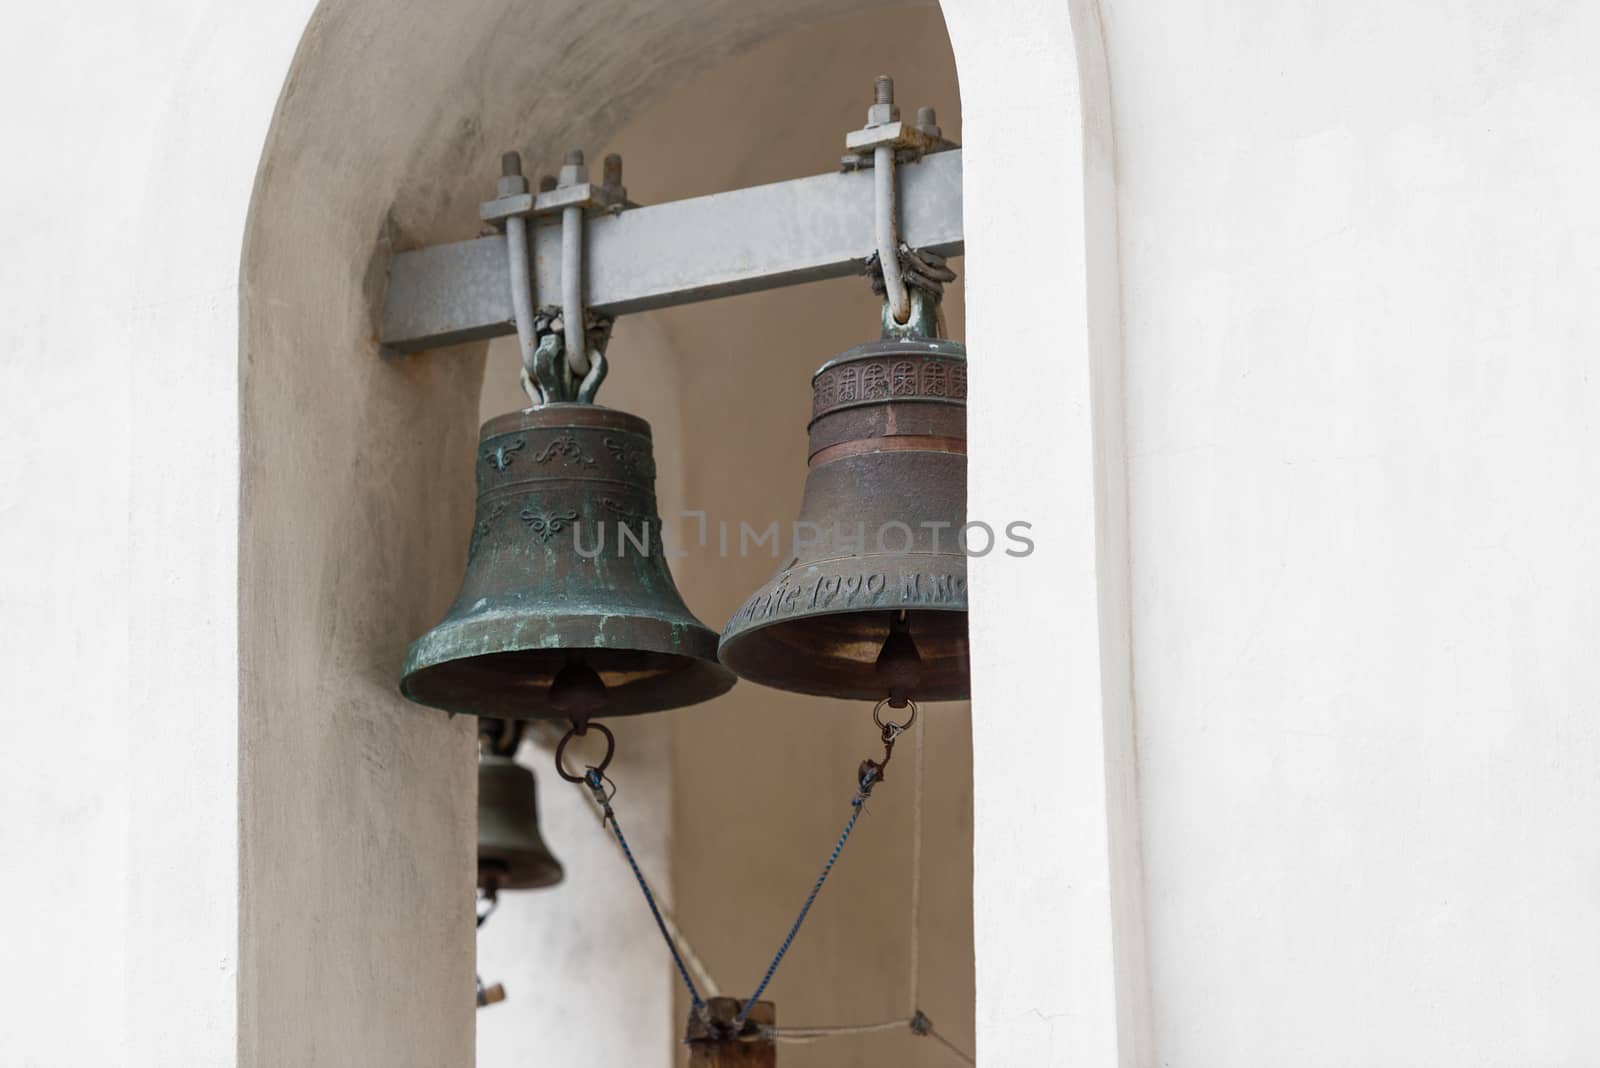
[511,851]
[567,609]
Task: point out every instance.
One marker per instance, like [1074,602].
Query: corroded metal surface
[886,497]
[511,852]
[565,571]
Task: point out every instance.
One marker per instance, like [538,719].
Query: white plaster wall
[1056,912]
[1361,246]
[1356,245]
[120,482]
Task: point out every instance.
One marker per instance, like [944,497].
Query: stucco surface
[1360,257]
[1354,558]
[119,583]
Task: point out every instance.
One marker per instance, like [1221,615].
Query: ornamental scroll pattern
[501,456]
[480,530]
[565,447]
[546,525]
[636,462]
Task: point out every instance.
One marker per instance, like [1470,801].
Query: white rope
[916,872]
[802,1035]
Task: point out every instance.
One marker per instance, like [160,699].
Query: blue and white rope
[867,780]
[596,784]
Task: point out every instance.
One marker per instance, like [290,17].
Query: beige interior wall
[761,780]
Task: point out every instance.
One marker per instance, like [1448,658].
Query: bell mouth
[646,665]
[835,654]
[517,869]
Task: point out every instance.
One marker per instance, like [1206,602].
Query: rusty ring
[898,728]
[605,761]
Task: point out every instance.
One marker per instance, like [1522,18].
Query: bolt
[511,180]
[612,174]
[573,170]
[547,182]
[928,122]
[883,110]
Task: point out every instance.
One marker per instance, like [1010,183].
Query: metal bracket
[552,198]
[883,144]
[911,142]
[884,129]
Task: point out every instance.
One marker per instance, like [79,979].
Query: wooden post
[716,1047]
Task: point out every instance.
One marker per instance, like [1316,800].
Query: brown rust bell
[567,609]
[511,851]
[873,600]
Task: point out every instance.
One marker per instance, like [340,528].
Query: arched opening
[356,809]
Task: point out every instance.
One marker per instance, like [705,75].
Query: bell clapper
[577,692]
[899,664]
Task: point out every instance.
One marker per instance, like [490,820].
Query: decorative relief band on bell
[549,525]
[876,378]
[855,590]
[601,454]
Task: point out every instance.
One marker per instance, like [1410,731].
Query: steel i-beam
[743,241]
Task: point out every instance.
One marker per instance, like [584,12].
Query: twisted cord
[807,1035]
[918,1024]
[702,974]
[596,785]
[868,777]
[915,980]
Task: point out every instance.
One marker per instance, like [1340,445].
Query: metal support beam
[722,245]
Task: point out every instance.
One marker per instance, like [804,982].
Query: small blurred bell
[511,851]
[873,601]
[567,608]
